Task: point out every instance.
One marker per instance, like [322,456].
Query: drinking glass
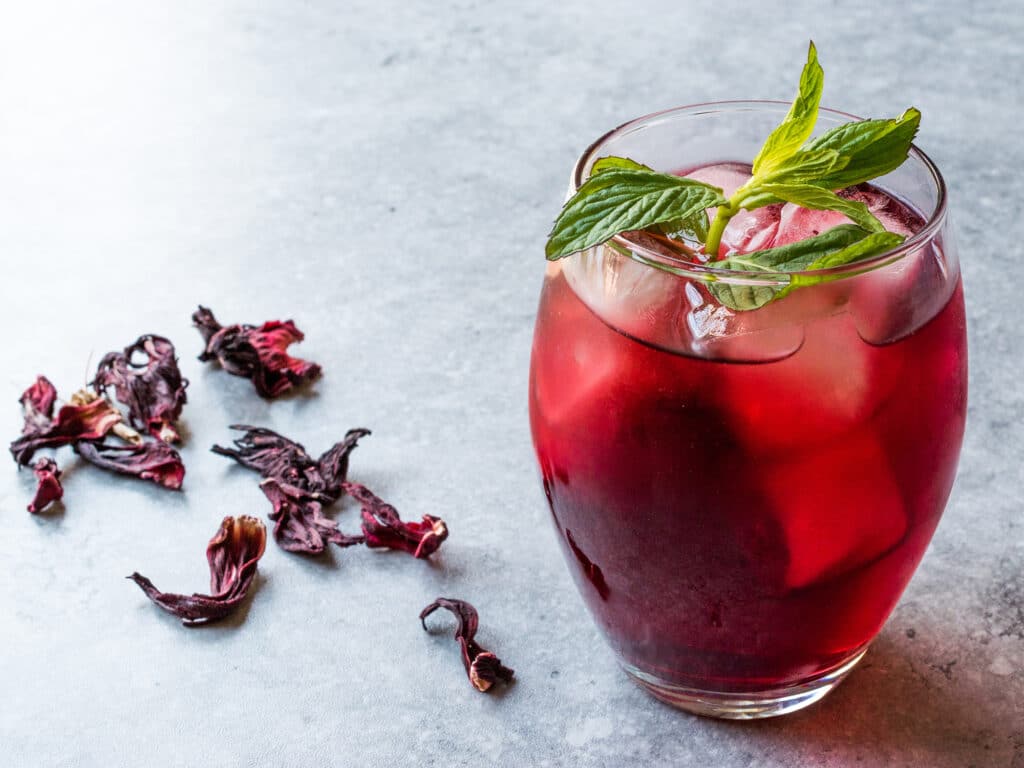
[742,496]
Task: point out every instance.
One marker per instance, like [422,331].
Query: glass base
[751,705]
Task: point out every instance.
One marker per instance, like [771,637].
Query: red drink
[743,496]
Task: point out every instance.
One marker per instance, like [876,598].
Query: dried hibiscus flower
[299,521]
[153,389]
[49,489]
[37,404]
[259,353]
[233,554]
[483,667]
[384,528]
[152,460]
[275,456]
[297,485]
[87,417]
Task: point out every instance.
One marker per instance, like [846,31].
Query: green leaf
[840,245]
[874,244]
[818,199]
[693,228]
[743,297]
[874,148]
[799,122]
[620,199]
[613,163]
[804,166]
[797,256]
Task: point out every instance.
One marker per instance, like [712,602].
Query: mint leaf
[624,198]
[743,297]
[874,148]
[874,244]
[818,199]
[613,163]
[797,256]
[796,127]
[838,246]
[804,166]
[694,227]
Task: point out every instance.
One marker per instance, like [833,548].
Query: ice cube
[895,216]
[828,387]
[747,230]
[796,223]
[727,176]
[838,507]
[752,230]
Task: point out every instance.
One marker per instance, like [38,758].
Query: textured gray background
[385,172]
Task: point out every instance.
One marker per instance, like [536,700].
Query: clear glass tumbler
[742,497]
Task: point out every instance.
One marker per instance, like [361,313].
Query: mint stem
[718,224]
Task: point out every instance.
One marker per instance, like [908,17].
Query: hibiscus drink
[744,478]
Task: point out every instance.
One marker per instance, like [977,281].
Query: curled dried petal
[90,420]
[153,460]
[233,555]
[299,521]
[49,489]
[275,456]
[37,404]
[383,527]
[258,353]
[483,668]
[333,463]
[153,389]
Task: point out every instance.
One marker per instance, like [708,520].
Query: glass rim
[659,259]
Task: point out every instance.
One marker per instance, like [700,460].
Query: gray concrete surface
[385,172]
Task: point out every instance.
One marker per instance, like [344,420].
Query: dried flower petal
[49,489]
[153,390]
[483,667]
[37,403]
[153,460]
[299,521]
[275,456]
[384,528]
[257,353]
[91,419]
[233,554]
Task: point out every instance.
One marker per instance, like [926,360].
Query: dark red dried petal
[37,404]
[90,421]
[299,521]
[153,460]
[153,390]
[258,353]
[483,668]
[49,489]
[384,528]
[275,456]
[333,463]
[233,555]
[486,669]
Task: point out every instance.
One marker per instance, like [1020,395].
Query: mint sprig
[622,195]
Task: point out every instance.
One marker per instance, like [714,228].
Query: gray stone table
[385,172]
